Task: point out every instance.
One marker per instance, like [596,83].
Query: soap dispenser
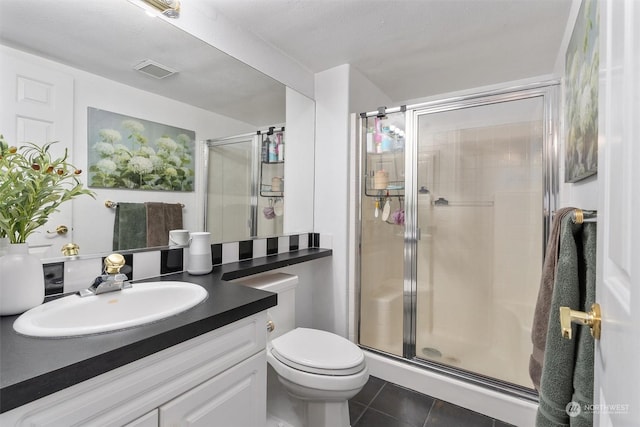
[199,260]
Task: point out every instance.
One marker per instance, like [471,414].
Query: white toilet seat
[344,375]
[323,383]
[318,352]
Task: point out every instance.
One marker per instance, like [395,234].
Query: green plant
[33,184]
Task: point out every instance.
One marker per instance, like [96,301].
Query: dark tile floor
[384,404]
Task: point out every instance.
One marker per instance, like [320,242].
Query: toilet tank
[283,315]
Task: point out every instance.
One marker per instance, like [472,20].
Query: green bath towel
[567,375]
[129,228]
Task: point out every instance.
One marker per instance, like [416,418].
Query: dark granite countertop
[31,368]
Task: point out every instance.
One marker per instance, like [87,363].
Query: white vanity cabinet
[216,379]
[226,400]
[148,420]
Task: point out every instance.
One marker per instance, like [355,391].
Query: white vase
[4,245]
[21,280]
[199,258]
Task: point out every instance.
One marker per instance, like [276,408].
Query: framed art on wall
[131,153]
[581,95]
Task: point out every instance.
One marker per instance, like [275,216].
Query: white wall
[331,192]
[299,167]
[339,91]
[92,221]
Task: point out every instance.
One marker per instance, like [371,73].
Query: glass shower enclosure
[245,186]
[455,201]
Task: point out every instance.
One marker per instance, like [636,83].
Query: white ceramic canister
[178,237]
[199,259]
[21,280]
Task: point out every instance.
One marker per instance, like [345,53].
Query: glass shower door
[479,202]
[231,189]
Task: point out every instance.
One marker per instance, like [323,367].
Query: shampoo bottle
[280,147]
[273,155]
[265,150]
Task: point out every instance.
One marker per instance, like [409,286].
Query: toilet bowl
[317,371]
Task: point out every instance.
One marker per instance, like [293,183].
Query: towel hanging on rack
[162,217]
[543,304]
[128,229]
[567,374]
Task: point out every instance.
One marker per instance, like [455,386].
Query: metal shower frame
[549,91]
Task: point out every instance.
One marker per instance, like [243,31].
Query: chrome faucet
[111,280]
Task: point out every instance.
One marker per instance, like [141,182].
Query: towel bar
[110,204]
[580,216]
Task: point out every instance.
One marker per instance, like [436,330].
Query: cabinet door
[235,398]
[148,420]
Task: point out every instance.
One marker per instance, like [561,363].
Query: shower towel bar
[580,216]
[472,203]
[110,204]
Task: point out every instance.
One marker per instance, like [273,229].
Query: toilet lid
[316,351]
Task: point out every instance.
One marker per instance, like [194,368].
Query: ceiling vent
[153,69]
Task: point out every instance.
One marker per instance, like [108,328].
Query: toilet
[312,373]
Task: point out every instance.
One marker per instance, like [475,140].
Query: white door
[617,354]
[36,105]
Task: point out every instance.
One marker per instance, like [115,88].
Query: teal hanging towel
[566,385]
[129,228]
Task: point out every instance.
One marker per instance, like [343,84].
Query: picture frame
[581,95]
[131,153]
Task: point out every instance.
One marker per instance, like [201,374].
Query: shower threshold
[443,368]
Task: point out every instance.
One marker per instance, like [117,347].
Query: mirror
[98,44]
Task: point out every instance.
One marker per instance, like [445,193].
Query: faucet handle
[113,263]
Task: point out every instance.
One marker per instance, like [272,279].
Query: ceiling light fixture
[169,8]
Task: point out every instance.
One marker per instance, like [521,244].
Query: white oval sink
[142,303]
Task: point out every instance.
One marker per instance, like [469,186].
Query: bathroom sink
[142,303]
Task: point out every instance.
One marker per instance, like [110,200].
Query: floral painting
[581,95]
[131,153]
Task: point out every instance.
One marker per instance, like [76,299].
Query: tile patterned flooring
[384,404]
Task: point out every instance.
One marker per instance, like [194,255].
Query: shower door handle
[591,319]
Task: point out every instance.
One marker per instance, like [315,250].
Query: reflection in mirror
[245,185]
[96,49]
